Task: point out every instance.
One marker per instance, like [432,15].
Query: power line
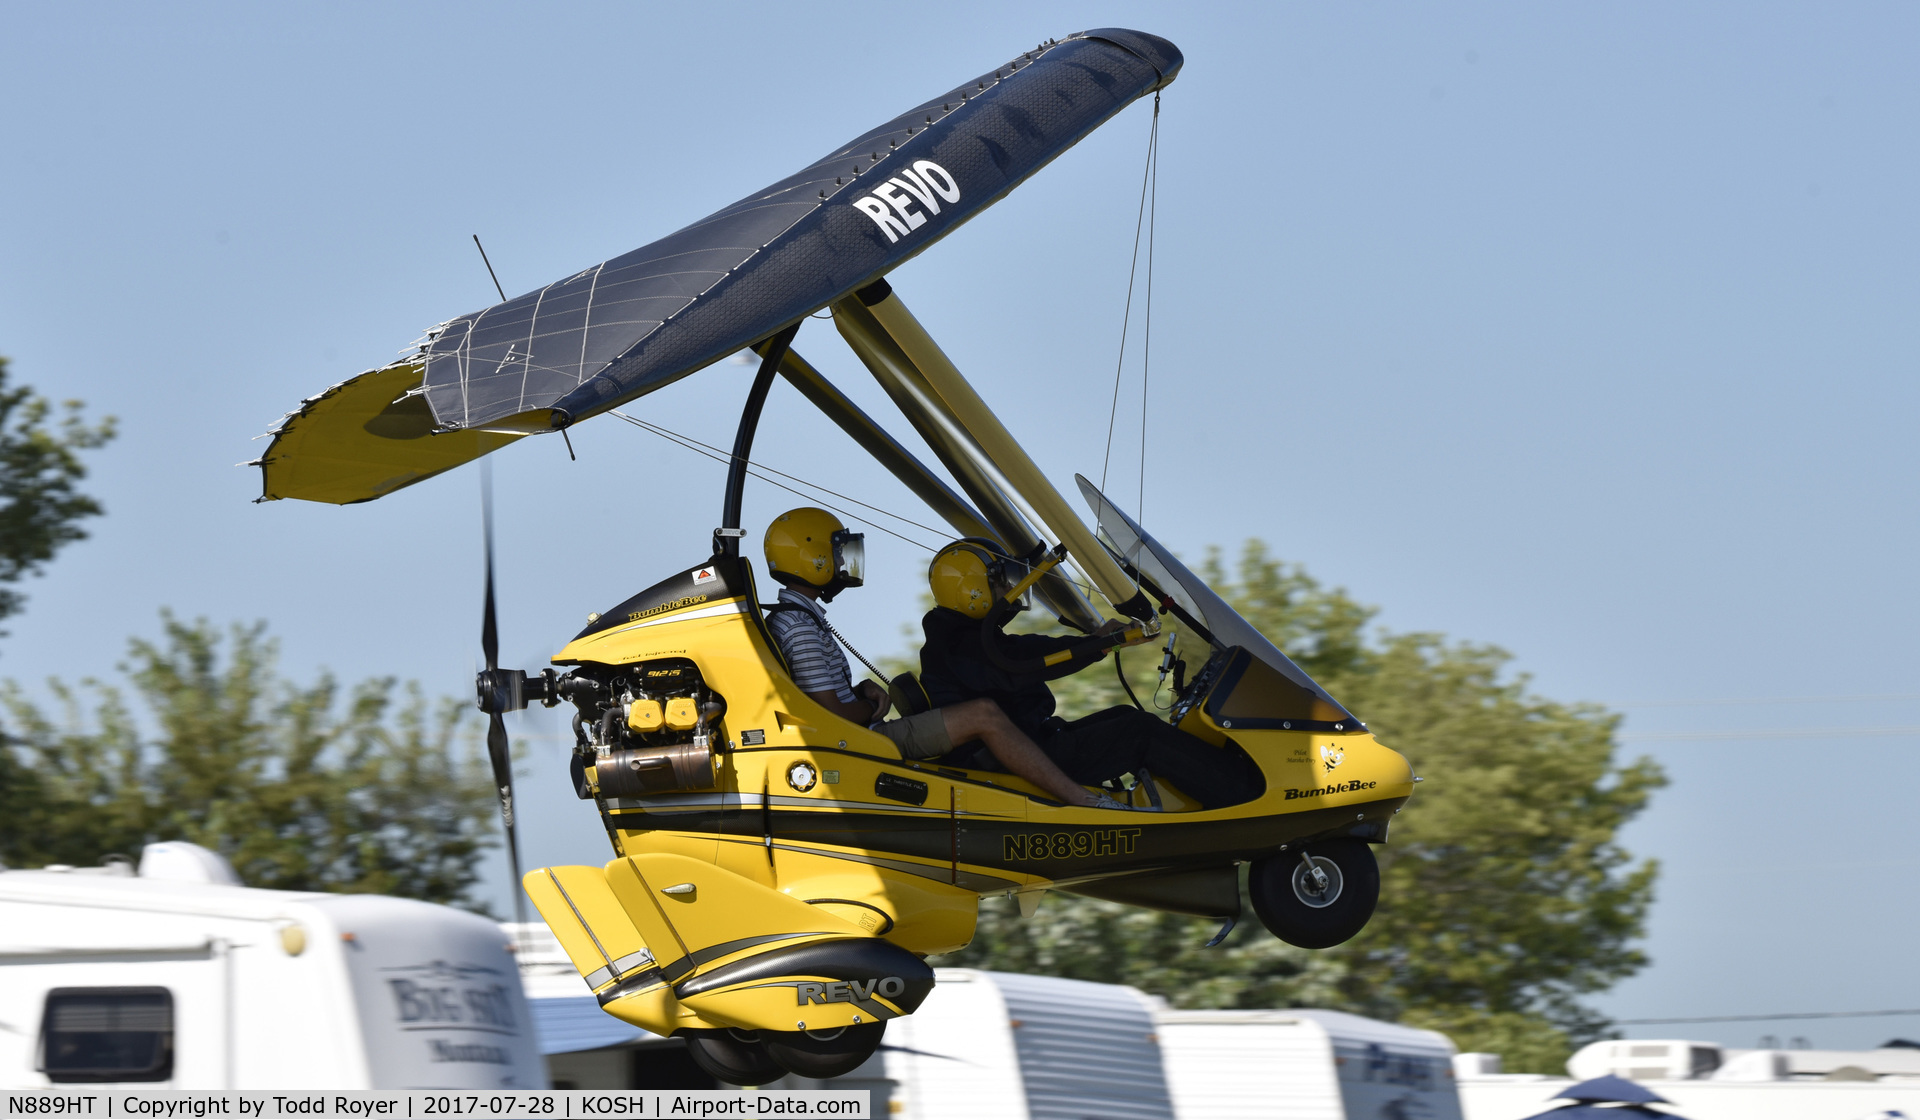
[1769,733]
[1767,1018]
[1756,700]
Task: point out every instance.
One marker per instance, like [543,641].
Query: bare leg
[982,719]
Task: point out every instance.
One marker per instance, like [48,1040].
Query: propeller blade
[499,747]
[500,753]
[489,630]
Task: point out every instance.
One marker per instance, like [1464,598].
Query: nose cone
[1157,52]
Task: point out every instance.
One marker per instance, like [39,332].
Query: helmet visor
[1002,575]
[849,558]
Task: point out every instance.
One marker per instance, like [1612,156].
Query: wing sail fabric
[627,326]
[611,332]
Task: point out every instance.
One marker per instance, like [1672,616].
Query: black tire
[824,1054]
[735,1057]
[1293,910]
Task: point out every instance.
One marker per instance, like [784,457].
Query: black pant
[1126,740]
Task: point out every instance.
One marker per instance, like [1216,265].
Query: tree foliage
[315,787]
[40,467]
[1504,894]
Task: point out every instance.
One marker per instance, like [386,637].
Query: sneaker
[1106,802]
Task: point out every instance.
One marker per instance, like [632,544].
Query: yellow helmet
[968,574]
[812,547]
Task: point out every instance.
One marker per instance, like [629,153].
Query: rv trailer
[176,976]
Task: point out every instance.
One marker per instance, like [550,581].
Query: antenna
[503,298]
[489,264]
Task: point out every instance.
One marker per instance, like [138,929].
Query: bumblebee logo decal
[892,204]
[1070,845]
[1331,757]
[1337,787]
[685,601]
[849,991]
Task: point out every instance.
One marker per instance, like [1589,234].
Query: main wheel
[735,1057]
[824,1054]
[1316,911]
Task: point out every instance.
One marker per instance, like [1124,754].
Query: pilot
[814,555]
[956,666]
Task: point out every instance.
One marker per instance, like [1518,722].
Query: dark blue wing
[637,322]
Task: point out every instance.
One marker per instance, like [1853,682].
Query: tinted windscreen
[1133,546]
[1253,694]
[108,1034]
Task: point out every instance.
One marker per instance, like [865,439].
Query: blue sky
[1586,332]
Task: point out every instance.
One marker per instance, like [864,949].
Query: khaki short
[921,736]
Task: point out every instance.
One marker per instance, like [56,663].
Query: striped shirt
[818,665]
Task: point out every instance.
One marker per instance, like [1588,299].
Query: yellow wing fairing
[669,942]
[592,927]
[365,438]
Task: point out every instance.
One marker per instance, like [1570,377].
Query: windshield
[1132,546]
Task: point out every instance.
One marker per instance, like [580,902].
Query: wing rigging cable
[753,468]
[1147,215]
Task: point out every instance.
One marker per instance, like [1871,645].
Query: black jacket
[954,667]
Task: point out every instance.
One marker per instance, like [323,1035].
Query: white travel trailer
[1023,1048]
[1037,1048]
[1705,1081]
[176,976]
[1304,1064]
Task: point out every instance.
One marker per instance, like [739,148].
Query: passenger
[966,577]
[814,555]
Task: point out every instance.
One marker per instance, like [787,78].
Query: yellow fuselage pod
[826,814]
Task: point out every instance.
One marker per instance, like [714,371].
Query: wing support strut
[875,441]
[897,326]
[961,456]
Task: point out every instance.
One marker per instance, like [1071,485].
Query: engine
[648,728]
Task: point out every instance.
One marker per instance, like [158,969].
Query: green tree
[1504,895]
[302,787]
[40,467]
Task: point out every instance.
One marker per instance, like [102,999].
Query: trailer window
[107,1034]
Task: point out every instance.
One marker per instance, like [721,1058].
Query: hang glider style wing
[627,326]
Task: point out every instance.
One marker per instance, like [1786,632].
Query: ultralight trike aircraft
[781,873]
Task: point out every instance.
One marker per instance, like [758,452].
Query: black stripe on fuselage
[984,842]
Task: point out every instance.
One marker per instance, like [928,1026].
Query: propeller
[496,697]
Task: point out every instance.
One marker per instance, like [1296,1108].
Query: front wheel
[735,1057]
[824,1054]
[1318,901]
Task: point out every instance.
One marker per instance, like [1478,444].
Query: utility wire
[1744,701]
[1768,733]
[1767,1018]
